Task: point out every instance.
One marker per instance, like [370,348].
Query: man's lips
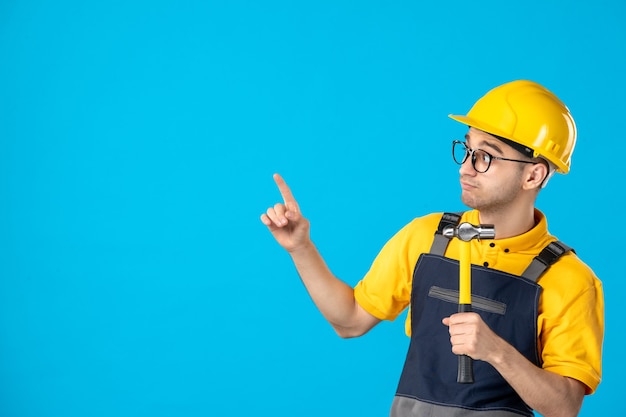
[466,185]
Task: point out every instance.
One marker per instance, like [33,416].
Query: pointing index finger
[285,191]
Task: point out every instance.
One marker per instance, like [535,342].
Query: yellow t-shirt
[571,306]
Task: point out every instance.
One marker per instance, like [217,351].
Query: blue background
[137,144]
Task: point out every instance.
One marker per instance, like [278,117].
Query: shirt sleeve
[385,291]
[571,322]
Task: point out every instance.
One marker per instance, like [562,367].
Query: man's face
[499,187]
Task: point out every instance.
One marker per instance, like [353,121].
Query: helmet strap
[523,149]
[551,171]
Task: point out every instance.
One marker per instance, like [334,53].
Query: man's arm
[334,298]
[550,394]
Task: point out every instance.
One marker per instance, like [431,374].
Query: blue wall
[137,144]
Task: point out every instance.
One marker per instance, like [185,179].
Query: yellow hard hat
[527,114]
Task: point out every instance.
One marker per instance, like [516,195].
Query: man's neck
[510,222]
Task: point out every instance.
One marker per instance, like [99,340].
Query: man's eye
[484,157]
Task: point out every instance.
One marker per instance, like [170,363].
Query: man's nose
[467,168]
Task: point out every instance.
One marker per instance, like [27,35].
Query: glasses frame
[471,152]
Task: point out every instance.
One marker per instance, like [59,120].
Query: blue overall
[507,303]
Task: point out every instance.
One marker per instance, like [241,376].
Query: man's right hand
[285,221]
[334,298]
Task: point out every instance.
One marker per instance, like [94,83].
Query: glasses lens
[481,160]
[459,152]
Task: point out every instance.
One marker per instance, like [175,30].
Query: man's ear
[535,176]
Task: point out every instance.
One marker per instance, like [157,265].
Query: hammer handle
[465,373]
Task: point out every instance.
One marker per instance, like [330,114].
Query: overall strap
[441,242]
[549,255]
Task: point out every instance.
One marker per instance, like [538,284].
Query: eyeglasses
[481,160]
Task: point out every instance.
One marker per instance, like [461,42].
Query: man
[537,327]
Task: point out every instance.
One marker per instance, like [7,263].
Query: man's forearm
[550,394]
[333,297]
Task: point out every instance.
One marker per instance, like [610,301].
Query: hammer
[465,232]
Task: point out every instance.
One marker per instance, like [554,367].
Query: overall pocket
[478,302]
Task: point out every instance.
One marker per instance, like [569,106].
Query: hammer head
[467,231]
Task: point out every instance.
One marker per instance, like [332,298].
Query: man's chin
[469,202]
